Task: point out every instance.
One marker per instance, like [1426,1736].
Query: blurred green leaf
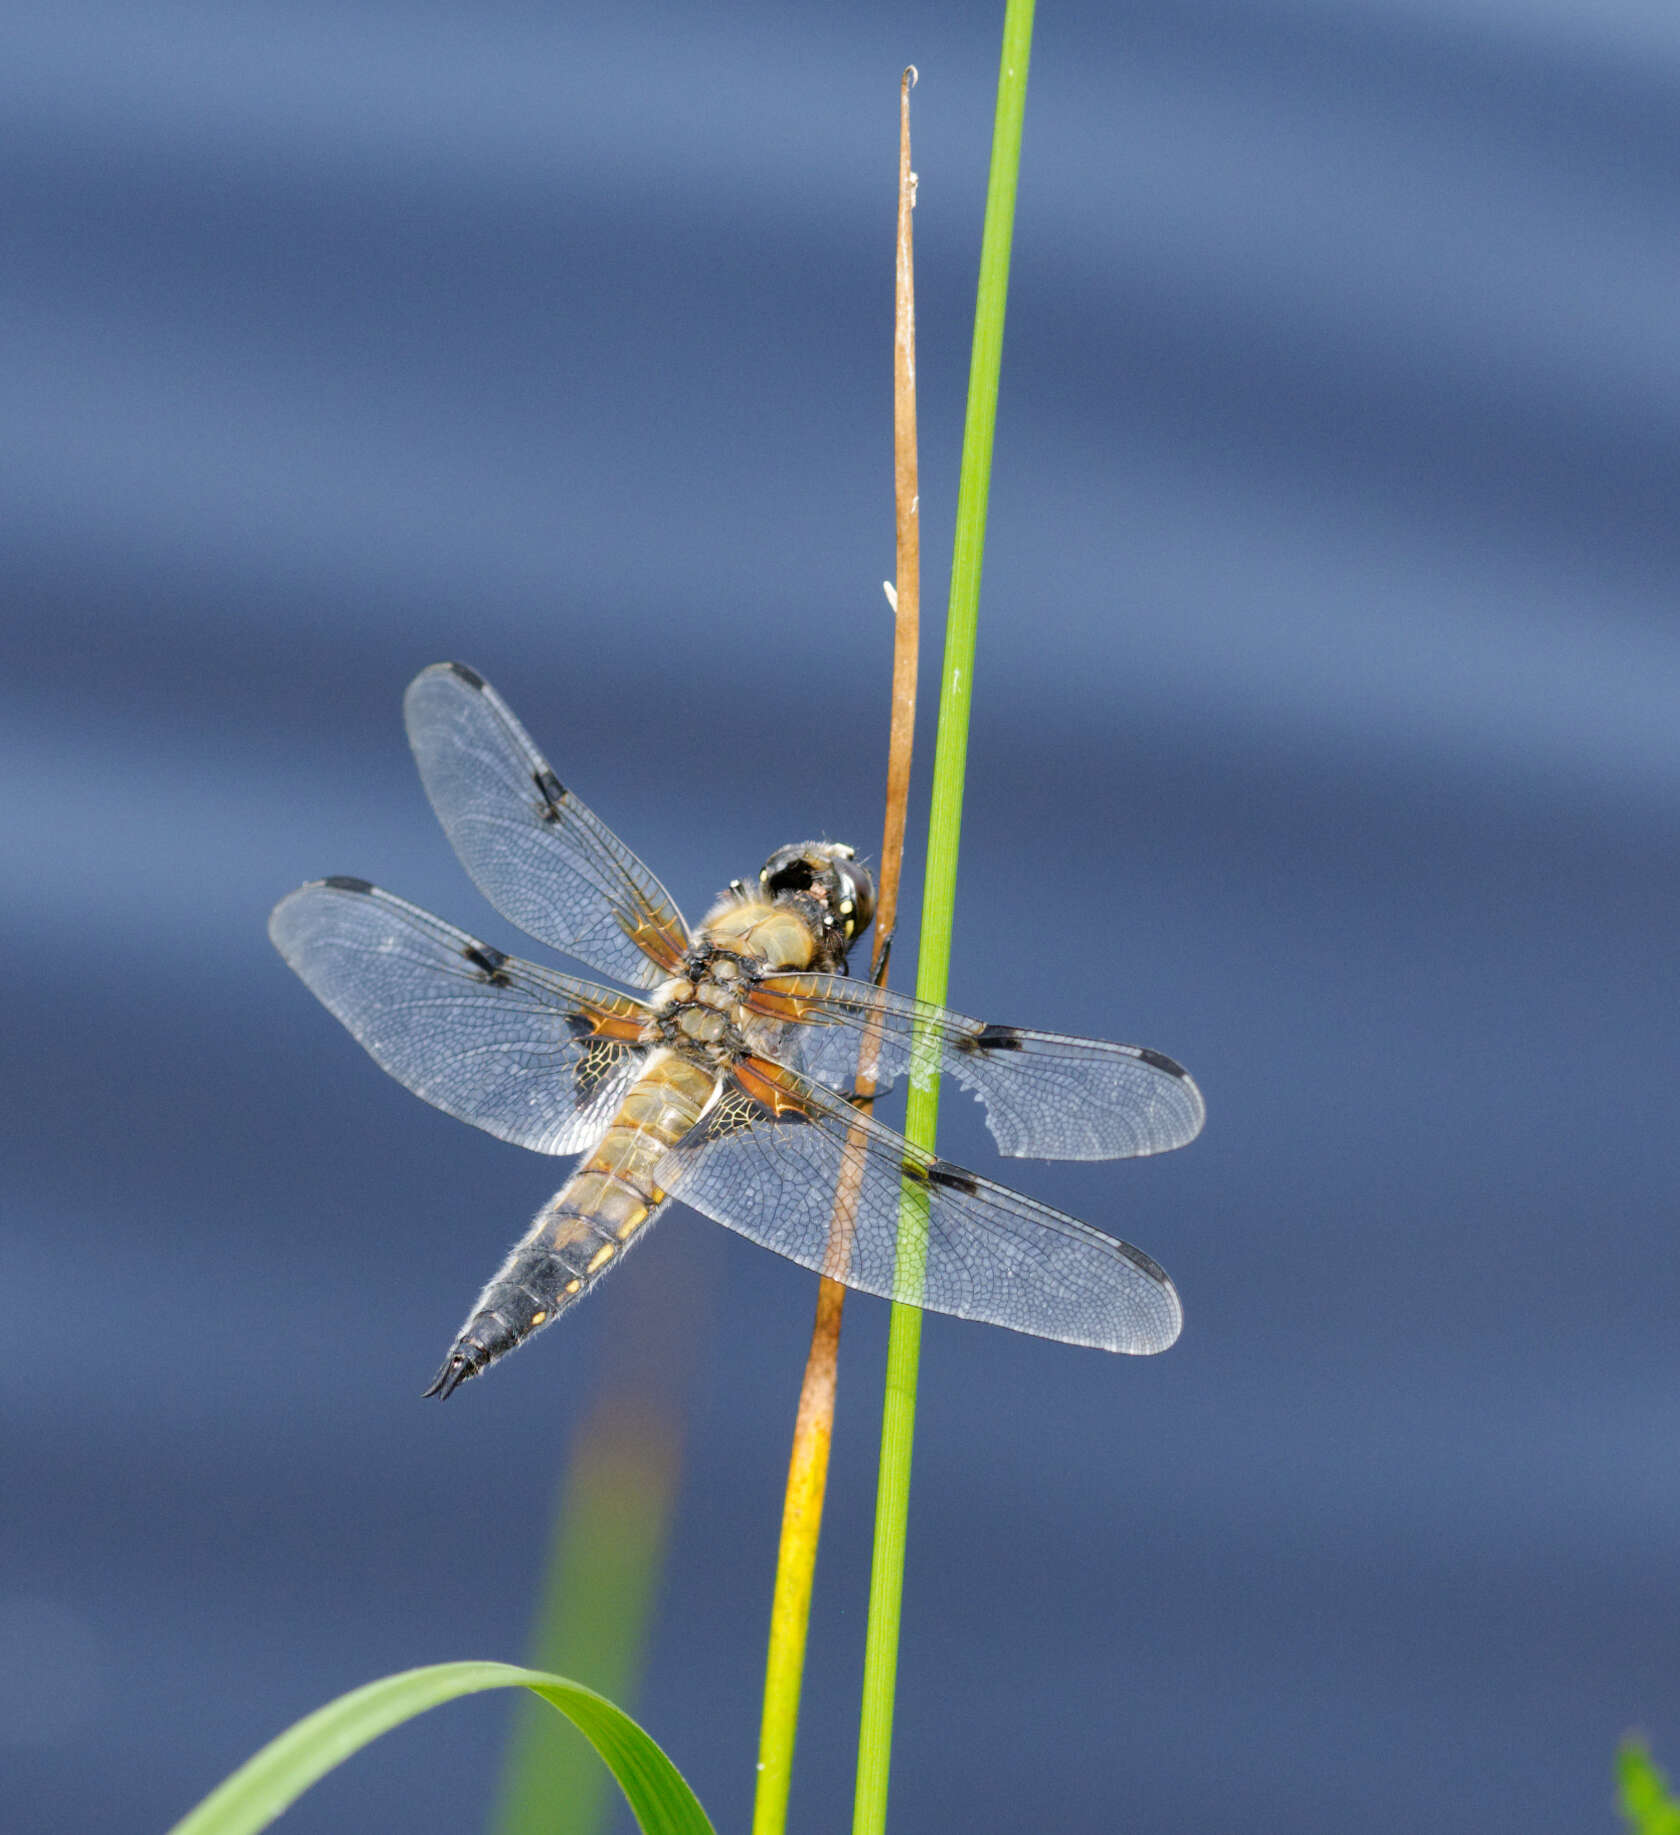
[1646,1801]
[605,1563]
[285,1768]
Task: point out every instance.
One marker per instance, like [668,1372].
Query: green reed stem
[898,1423]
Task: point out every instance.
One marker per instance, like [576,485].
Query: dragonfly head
[832,873]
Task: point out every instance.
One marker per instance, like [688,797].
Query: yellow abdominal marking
[573,1286]
[631,1223]
[537,1319]
[601,1256]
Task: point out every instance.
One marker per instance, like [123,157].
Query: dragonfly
[727,1080]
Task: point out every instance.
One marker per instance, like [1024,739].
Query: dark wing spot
[1161,1061]
[952,1178]
[489,962]
[1143,1263]
[344,882]
[470,676]
[551,790]
[596,1063]
[995,1038]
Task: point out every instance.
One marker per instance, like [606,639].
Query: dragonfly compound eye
[855,904]
[833,872]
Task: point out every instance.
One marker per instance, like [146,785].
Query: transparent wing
[1047,1096]
[771,1153]
[533,1057]
[541,858]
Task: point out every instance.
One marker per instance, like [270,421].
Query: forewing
[546,862]
[531,1056]
[771,1153]
[1046,1095]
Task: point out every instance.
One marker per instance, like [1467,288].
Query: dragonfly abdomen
[587,1225]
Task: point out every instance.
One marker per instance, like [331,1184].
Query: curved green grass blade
[286,1767]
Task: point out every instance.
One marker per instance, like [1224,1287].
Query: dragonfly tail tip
[456,1369]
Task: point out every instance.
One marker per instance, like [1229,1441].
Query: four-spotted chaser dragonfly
[721,1087]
